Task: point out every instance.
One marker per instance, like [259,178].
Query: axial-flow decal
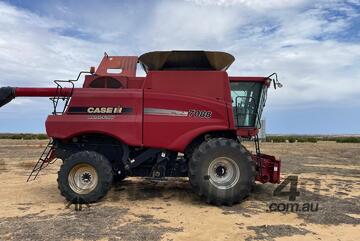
[157,111]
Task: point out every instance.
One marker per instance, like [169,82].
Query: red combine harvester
[186,118]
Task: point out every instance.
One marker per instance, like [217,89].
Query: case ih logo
[104,110]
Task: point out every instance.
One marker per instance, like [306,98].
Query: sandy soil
[139,209]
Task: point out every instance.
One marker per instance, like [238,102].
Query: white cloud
[288,41]
[179,25]
[32,53]
[294,38]
[255,4]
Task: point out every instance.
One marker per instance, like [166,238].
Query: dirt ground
[139,209]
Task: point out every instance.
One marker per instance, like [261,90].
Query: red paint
[127,65]
[125,127]
[43,92]
[265,80]
[268,168]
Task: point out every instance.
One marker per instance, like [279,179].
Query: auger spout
[7,94]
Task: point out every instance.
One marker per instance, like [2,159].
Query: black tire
[221,158]
[93,161]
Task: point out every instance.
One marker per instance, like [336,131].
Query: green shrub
[348,139]
[308,139]
[291,139]
[24,136]
[312,139]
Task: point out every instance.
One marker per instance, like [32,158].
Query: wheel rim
[224,173]
[83,178]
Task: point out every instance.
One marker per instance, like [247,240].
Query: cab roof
[186,60]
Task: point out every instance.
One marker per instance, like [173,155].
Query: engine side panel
[181,105]
[114,112]
[172,121]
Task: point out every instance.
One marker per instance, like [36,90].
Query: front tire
[221,171]
[85,177]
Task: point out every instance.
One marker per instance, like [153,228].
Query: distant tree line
[312,139]
[24,136]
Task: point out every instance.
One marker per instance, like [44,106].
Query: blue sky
[314,46]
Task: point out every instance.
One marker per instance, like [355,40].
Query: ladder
[46,158]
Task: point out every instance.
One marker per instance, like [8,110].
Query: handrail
[55,99]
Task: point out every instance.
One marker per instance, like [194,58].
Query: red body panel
[248,78]
[125,64]
[176,132]
[205,84]
[126,127]
[160,105]
[184,91]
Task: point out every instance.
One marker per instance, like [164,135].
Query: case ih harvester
[186,118]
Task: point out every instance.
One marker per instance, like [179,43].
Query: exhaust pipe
[7,94]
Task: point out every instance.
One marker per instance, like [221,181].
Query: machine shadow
[142,189]
[173,190]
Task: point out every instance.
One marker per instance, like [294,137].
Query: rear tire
[85,177]
[221,171]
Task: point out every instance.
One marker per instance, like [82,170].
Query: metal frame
[45,159]
[55,100]
[275,81]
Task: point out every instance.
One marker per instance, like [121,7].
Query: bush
[291,139]
[275,139]
[24,136]
[312,139]
[348,139]
[308,139]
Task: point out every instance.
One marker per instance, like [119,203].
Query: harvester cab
[185,118]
